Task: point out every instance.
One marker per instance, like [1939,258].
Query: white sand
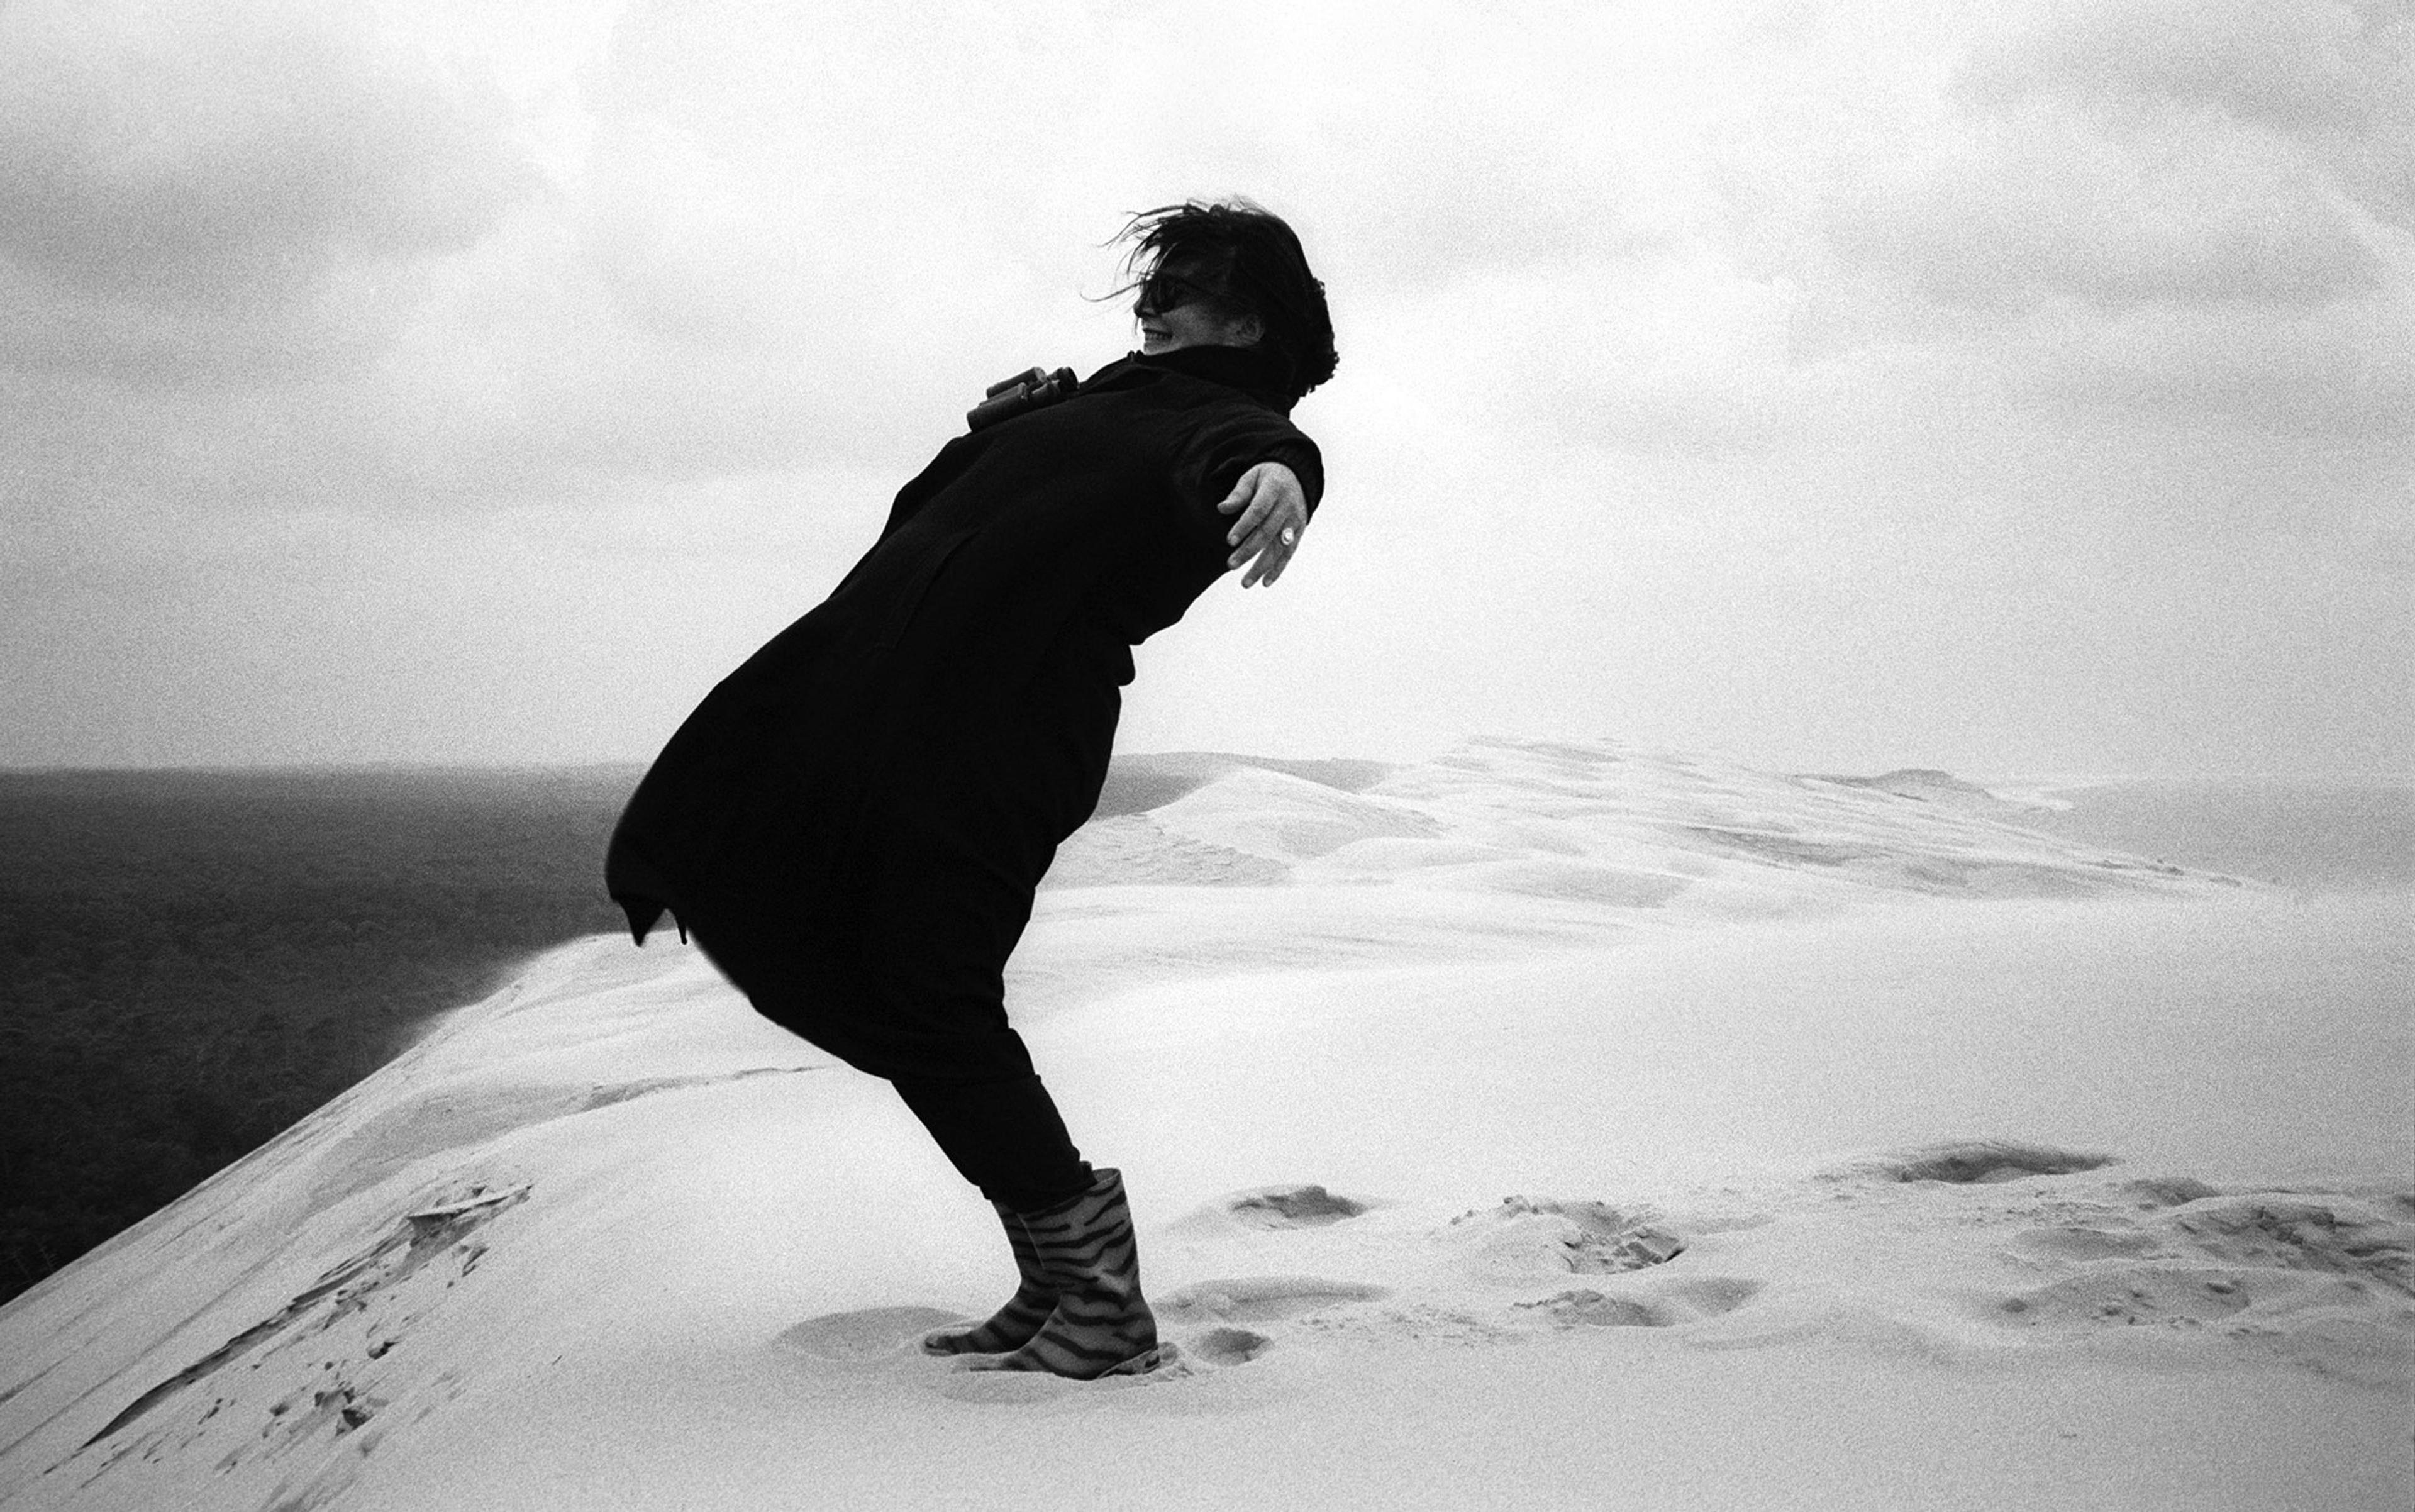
[1619,1076]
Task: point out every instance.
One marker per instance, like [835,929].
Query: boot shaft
[1087,1241]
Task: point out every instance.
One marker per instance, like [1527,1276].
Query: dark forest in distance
[191,961]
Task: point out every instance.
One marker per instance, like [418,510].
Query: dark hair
[1253,262]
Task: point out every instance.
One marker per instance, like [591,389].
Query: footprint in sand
[1664,1307]
[1290,1207]
[1523,1235]
[2227,1237]
[1260,1299]
[2179,1294]
[2321,1279]
[867,1334]
[1589,1309]
[1229,1346]
[2084,1242]
[2305,1230]
[2167,1191]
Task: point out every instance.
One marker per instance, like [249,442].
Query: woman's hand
[1274,515]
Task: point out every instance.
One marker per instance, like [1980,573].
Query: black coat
[853,822]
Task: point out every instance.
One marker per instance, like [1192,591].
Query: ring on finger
[1289,535]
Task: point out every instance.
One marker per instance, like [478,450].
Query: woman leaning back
[852,824]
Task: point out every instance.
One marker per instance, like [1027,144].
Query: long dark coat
[852,823]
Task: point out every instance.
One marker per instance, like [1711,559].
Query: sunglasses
[1162,292]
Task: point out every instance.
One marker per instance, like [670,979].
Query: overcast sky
[2004,388]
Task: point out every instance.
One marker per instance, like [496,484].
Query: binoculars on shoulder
[1010,397]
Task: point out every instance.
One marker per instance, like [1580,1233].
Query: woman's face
[1175,312]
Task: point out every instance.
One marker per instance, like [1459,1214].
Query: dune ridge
[1534,1124]
[1455,821]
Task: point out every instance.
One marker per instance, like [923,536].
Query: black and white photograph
[1351,754]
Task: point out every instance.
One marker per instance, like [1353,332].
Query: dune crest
[1589,825]
[1645,1121]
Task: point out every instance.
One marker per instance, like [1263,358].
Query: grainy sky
[1998,386]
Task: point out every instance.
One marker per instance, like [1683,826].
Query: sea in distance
[191,961]
[2338,835]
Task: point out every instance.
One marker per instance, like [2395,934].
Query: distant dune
[1138,783]
[1931,785]
[1601,826]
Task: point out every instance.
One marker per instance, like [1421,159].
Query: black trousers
[1004,1135]
[900,972]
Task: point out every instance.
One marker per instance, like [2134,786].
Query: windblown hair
[1253,262]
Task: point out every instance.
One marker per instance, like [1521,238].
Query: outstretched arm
[1274,514]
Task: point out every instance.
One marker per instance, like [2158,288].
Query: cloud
[1452,141]
[1685,347]
[2042,205]
[2186,211]
[2345,369]
[1681,353]
[2331,76]
[205,190]
[2132,152]
[766,237]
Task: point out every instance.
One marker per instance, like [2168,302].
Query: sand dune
[1534,1125]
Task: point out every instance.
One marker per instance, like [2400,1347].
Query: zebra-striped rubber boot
[1101,1325]
[1011,1327]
